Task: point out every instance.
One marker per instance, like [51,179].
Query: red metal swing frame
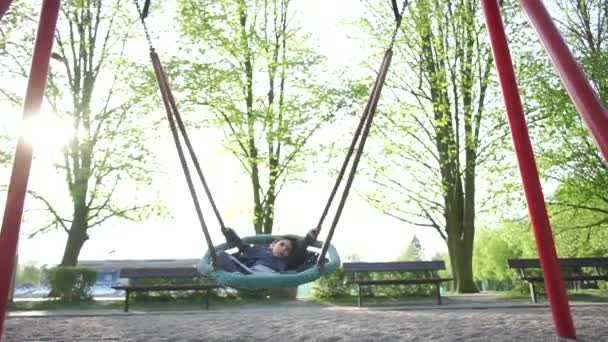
[584,97]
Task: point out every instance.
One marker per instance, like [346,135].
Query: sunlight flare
[46,132]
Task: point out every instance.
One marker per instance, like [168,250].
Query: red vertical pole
[4,5]
[23,155]
[528,171]
[582,94]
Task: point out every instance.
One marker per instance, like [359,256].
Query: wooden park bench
[428,270]
[163,273]
[572,270]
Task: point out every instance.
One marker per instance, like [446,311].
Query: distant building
[110,269]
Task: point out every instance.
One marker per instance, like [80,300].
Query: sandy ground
[314,323]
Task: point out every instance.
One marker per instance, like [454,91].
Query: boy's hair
[294,244]
[292,239]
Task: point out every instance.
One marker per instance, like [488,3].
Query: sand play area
[309,322]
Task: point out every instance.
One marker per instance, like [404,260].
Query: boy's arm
[299,254]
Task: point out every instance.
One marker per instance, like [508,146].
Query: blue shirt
[263,256]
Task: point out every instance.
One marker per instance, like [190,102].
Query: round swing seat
[271,279]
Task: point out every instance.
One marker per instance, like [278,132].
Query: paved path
[292,322]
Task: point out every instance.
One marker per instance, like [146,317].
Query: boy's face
[282,248]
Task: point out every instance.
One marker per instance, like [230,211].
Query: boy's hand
[314,232]
[230,234]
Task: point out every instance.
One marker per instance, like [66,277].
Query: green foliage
[332,286]
[514,239]
[15,24]
[99,101]
[251,68]
[567,156]
[353,258]
[30,274]
[72,284]
[167,295]
[440,126]
[580,220]
[447,273]
[170,281]
[335,285]
[490,259]
[6,153]
[396,291]
[493,246]
[413,251]
[603,288]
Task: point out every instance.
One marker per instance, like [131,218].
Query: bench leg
[127,300]
[207,299]
[533,292]
[359,295]
[438,294]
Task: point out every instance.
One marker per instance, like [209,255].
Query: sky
[362,230]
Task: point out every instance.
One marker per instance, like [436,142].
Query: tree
[28,274]
[413,251]
[514,239]
[439,128]
[94,87]
[20,14]
[354,257]
[249,66]
[567,155]
[492,250]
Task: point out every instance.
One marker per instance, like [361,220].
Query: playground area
[439,161]
[472,319]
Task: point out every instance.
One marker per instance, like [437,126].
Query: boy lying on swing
[273,258]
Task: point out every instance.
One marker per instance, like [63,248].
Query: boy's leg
[225,263]
[228,263]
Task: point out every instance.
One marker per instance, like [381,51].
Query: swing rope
[175,123]
[361,137]
[177,126]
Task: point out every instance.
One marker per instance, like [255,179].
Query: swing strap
[174,120]
[395,10]
[175,123]
[144,12]
[4,6]
[360,136]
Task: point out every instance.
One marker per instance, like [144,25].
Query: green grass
[511,295]
[49,305]
[147,304]
[164,303]
[371,301]
[582,295]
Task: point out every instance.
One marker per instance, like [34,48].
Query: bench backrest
[175,272]
[570,265]
[395,266]
[564,262]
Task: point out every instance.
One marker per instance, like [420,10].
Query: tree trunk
[77,236]
[460,230]
[258,210]
[467,285]
[271,193]
[463,269]
[462,265]
[269,214]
